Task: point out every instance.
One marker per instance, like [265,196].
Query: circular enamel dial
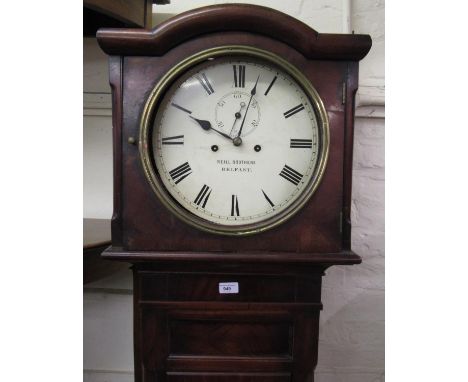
[236,141]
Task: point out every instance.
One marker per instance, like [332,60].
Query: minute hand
[252,93]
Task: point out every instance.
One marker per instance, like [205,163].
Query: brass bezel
[145,144]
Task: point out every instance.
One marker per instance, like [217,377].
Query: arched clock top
[234,17]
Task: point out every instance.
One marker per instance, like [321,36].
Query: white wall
[97,133]
[352,322]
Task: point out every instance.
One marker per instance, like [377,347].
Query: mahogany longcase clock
[233,138]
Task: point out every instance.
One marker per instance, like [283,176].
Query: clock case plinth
[184,329]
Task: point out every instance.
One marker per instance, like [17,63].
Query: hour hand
[206,125]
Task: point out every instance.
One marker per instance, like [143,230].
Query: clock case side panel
[350,91]
[316,228]
[115,80]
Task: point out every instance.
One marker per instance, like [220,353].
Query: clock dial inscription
[180,172]
[243,128]
[239,76]
[203,196]
[271,85]
[294,110]
[203,80]
[181,108]
[301,143]
[176,140]
[234,206]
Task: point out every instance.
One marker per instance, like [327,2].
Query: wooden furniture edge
[341,258]
[96,267]
[115,81]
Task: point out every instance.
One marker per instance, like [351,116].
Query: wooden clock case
[184,329]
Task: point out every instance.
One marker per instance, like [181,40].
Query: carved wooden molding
[345,257]
[238,17]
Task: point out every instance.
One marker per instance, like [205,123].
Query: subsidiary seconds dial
[237,144]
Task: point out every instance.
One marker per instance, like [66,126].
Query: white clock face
[236,141]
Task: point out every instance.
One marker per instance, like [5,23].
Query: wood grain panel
[227,377]
[219,338]
[229,364]
[198,287]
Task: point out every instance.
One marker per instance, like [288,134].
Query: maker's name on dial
[232,165]
[235,161]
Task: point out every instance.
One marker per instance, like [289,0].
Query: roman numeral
[203,196]
[301,143]
[270,86]
[205,83]
[181,108]
[239,76]
[268,199]
[294,110]
[175,140]
[234,206]
[290,174]
[180,172]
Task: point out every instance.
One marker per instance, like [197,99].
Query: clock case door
[139,59]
